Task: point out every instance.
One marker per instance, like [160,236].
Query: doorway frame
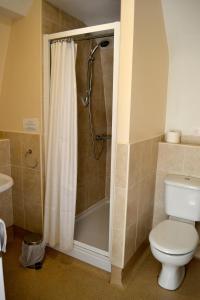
[101,259]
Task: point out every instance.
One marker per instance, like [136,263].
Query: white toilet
[174,241]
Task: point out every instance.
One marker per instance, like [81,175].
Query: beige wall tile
[121,165]
[18,214]
[133,202]
[32,142]
[33,218]
[159,205]
[31,187]
[192,161]
[170,158]
[6,209]
[142,177]
[119,207]
[27,185]
[32,199]
[117,247]
[130,246]
[4,153]
[5,170]
[15,147]
[17,197]
[135,166]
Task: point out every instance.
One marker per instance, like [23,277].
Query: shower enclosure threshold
[91,255]
[89,247]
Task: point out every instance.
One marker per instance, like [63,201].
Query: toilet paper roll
[173,136]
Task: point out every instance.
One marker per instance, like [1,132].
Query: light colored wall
[22,85]
[5,28]
[123,129]
[125,70]
[182,20]
[150,71]
[141,115]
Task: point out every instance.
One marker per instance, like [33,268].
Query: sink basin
[6,182]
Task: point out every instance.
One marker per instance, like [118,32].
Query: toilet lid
[174,237]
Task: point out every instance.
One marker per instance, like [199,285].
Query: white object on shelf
[173,137]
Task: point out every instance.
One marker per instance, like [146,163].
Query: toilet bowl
[173,244]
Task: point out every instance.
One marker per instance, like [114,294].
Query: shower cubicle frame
[89,254]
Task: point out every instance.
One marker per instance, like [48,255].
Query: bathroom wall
[23,72]
[150,71]
[144,97]
[22,83]
[123,132]
[6,207]
[107,72]
[25,170]
[141,187]
[182,21]
[91,173]
[21,98]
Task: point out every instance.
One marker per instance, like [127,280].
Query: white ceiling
[91,12]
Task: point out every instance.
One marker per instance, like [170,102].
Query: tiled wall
[119,205]
[25,170]
[93,175]
[107,70]
[91,172]
[176,159]
[6,209]
[141,186]
[134,197]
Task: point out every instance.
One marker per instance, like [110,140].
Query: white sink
[6,182]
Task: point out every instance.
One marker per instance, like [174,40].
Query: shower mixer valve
[103,137]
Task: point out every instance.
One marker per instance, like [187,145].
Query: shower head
[102,44]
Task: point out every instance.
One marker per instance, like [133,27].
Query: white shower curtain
[61,148]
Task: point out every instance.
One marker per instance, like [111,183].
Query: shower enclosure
[96,80]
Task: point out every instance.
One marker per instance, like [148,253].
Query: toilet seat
[173,237]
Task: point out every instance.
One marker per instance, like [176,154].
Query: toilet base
[171,277]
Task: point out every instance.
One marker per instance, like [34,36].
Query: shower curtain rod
[69,38]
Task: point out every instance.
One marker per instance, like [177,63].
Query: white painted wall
[182,21]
